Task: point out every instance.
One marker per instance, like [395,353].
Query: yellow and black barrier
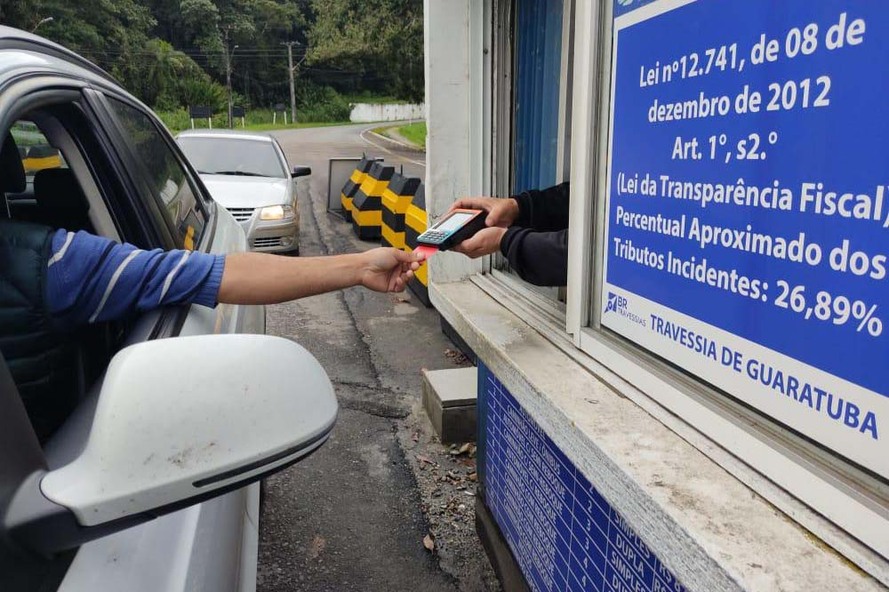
[414,226]
[352,185]
[396,199]
[367,205]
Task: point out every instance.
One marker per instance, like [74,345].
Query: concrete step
[449,398]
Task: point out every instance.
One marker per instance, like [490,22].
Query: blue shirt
[92,279]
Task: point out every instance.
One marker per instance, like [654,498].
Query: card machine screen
[454,222]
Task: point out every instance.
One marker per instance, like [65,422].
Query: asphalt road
[349,517]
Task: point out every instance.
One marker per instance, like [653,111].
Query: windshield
[233,156]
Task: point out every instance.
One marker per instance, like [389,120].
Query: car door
[152,199]
[205,547]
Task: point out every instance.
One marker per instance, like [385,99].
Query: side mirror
[178,421]
[301,171]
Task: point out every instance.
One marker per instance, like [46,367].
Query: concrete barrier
[414,226]
[367,205]
[367,113]
[352,185]
[396,199]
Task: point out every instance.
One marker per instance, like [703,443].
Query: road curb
[406,146]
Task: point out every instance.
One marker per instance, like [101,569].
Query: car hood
[247,192]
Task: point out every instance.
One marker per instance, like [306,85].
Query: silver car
[248,175]
[150,484]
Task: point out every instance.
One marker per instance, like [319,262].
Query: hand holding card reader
[452,230]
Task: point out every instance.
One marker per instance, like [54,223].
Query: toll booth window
[170,183]
[538,59]
[541,58]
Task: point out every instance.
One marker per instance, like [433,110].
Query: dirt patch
[446,479]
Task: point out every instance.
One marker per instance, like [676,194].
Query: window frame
[503,144]
[135,171]
[802,478]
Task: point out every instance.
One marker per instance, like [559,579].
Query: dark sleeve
[540,258]
[544,209]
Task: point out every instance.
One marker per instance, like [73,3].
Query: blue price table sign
[747,205]
[562,532]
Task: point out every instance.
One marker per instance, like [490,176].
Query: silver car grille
[241,214]
[264,243]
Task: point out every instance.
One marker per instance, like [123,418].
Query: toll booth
[704,404]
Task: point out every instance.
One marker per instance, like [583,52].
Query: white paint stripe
[169,281]
[113,282]
[372,143]
[58,256]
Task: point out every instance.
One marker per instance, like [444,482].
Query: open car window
[170,184]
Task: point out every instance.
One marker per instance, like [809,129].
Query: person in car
[54,282]
[530,229]
[91,279]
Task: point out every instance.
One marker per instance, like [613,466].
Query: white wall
[453,48]
[366,112]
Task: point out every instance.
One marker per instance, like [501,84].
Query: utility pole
[292,73]
[291,69]
[228,73]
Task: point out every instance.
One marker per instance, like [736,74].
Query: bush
[175,120]
[322,104]
[197,92]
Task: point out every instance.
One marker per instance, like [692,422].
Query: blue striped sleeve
[92,279]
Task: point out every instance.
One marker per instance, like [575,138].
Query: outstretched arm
[92,279]
[255,278]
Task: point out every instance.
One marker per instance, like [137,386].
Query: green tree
[373,37]
[154,46]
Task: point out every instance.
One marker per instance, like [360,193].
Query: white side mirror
[178,421]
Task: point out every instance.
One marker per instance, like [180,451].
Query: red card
[426,250]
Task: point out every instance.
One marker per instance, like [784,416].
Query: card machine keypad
[455,228]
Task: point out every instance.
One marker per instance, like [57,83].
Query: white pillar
[454,142]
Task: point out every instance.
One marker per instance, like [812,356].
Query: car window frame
[168,321]
[135,169]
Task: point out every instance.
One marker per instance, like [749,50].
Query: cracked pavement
[353,516]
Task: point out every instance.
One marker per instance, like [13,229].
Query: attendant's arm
[544,210]
[540,258]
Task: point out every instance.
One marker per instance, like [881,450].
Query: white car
[248,175]
[150,484]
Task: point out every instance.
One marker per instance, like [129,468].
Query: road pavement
[352,516]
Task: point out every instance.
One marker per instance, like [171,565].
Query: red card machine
[453,229]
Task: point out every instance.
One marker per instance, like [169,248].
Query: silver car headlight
[276,213]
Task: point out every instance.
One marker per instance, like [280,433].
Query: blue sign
[748,205]
[562,532]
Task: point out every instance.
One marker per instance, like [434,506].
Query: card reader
[453,229]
